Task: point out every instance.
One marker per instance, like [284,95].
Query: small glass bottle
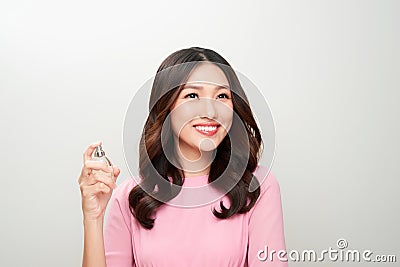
[100,155]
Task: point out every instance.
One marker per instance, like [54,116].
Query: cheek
[181,115]
[226,115]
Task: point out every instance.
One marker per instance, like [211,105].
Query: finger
[91,165]
[101,177]
[91,190]
[117,171]
[87,155]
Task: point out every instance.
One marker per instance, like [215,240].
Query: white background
[329,70]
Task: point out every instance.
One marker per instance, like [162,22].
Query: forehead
[208,73]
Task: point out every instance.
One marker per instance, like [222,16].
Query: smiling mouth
[208,130]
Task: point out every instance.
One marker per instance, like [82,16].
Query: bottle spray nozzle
[100,155]
[99,152]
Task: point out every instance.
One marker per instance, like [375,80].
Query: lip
[207,133]
[207,124]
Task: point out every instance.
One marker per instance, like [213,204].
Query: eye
[223,95]
[191,95]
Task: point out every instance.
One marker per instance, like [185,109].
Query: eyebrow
[199,87]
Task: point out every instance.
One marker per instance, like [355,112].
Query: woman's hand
[96,181]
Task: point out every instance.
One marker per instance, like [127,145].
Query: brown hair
[154,163]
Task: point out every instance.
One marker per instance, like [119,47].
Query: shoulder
[120,196]
[266,179]
[122,191]
[268,204]
[270,194]
[118,209]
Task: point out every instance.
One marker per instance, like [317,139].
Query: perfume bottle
[100,155]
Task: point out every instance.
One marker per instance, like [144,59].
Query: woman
[200,133]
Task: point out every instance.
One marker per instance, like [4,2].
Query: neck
[193,161]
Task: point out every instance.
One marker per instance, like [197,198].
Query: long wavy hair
[229,161]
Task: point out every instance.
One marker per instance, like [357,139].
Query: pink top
[194,236]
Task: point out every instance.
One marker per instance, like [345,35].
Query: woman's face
[202,114]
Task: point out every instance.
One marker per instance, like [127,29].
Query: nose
[209,107]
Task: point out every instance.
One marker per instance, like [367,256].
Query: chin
[207,149]
[207,146]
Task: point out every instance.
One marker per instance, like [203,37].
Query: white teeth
[206,128]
